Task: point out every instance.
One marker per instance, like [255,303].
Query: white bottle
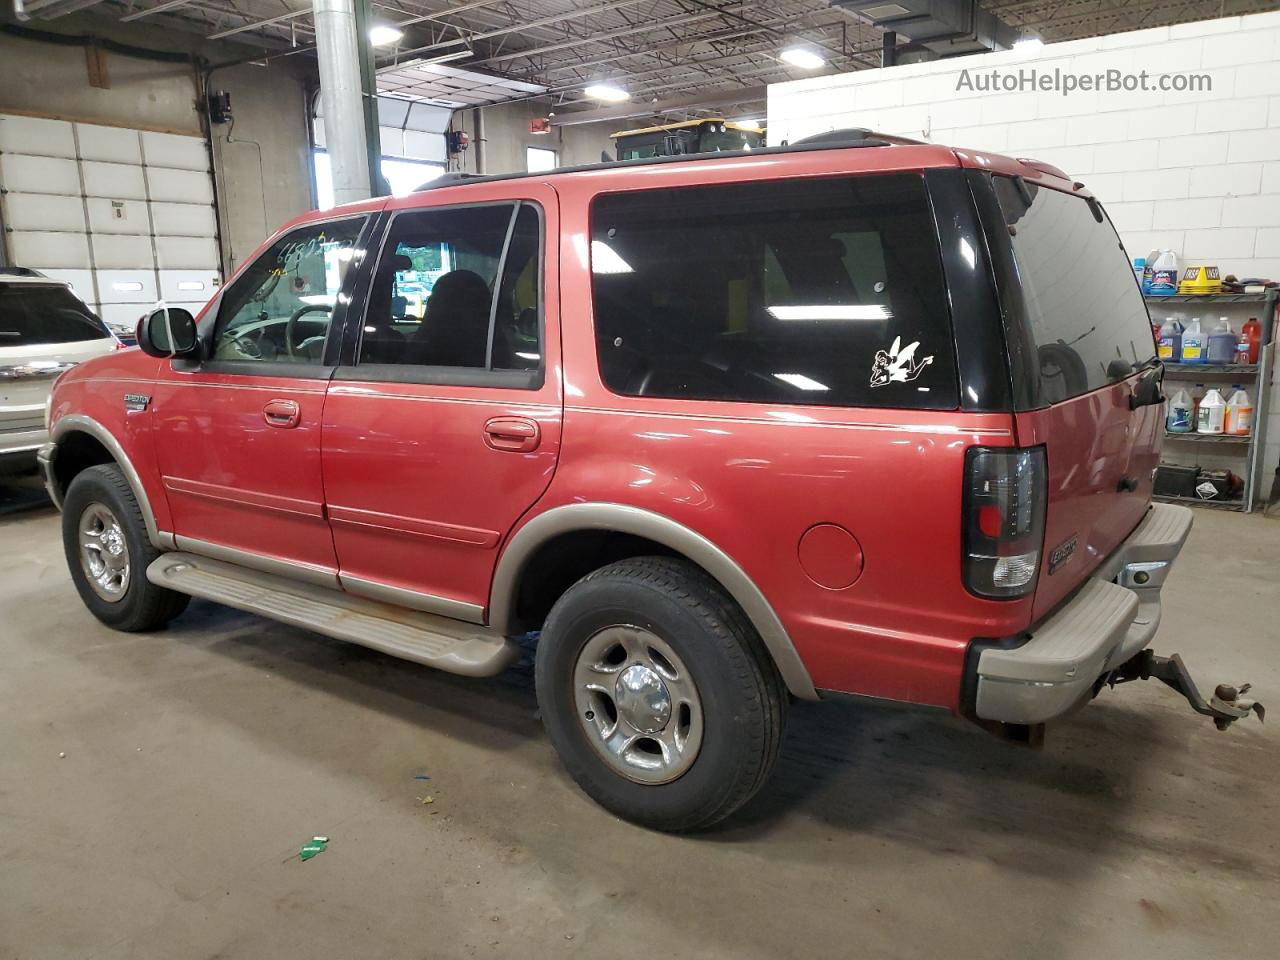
[1212,415]
[1181,412]
[1239,415]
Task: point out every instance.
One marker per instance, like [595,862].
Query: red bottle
[1252,334]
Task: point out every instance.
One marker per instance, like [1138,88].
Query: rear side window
[1086,315]
[31,314]
[804,291]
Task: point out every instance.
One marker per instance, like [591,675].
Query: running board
[439,642]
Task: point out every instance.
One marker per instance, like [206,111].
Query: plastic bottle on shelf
[1197,394]
[1139,268]
[1239,416]
[1212,413]
[1164,275]
[1242,350]
[1181,411]
[1221,343]
[1148,267]
[1193,343]
[1169,343]
[1252,334]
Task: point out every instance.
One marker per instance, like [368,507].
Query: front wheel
[105,540]
[658,695]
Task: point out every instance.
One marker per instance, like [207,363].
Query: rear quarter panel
[753,478]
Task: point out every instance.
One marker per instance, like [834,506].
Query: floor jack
[1227,705]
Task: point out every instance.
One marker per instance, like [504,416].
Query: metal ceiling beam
[159,8]
[601,37]
[292,14]
[518,27]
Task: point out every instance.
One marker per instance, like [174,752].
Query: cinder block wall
[1195,171]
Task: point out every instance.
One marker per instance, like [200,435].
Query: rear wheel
[108,552]
[658,695]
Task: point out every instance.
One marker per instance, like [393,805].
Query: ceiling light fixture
[608,92]
[384,35]
[1029,44]
[803,57]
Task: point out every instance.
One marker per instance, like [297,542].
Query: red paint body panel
[403,484]
[1092,443]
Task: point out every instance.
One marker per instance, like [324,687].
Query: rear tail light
[1004,504]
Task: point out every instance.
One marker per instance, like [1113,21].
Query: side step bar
[439,642]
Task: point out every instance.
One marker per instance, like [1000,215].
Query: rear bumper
[1110,619]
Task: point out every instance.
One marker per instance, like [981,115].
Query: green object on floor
[313,846]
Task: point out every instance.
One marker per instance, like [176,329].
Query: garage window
[813,292]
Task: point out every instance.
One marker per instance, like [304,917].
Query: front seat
[455,331]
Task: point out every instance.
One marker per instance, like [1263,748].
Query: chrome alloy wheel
[638,704]
[104,554]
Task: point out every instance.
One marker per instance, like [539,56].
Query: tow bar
[1227,705]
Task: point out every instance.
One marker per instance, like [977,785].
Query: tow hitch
[1227,705]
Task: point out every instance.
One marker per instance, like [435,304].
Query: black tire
[743,698]
[142,605]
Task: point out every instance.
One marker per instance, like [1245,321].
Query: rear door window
[32,314]
[799,291]
[1085,314]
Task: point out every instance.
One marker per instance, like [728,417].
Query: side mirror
[169,332]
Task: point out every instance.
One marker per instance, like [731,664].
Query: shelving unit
[1257,375]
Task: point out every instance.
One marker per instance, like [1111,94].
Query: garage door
[125,215]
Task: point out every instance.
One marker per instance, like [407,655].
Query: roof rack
[832,140]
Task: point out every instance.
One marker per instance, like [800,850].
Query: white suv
[44,330]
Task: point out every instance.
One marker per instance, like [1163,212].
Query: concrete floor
[199,759]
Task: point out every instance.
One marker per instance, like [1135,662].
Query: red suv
[857,416]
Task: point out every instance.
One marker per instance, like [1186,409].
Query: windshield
[1086,315]
[32,314]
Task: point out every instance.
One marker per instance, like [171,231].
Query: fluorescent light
[1028,43]
[604,259]
[190,284]
[802,57]
[528,356]
[800,381]
[126,286]
[384,35]
[822,311]
[318,299]
[608,92]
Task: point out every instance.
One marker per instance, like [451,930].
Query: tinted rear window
[802,291]
[31,314]
[1087,319]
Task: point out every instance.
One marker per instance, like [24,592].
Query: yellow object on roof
[685,124]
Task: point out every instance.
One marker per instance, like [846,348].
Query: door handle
[281,413]
[512,434]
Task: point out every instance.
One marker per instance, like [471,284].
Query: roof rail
[833,140]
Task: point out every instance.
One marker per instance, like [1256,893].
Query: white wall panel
[172,150]
[122,252]
[117,216]
[124,314]
[111,144]
[36,211]
[126,286]
[81,282]
[50,250]
[195,253]
[180,186]
[183,219]
[119,181]
[25,174]
[35,135]
[188,285]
